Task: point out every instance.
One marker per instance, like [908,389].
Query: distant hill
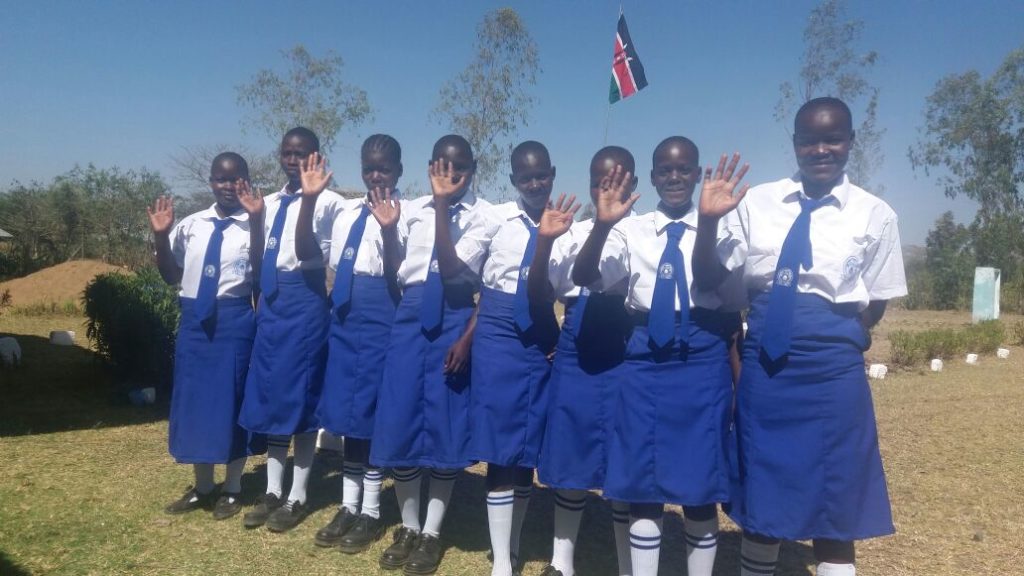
[59,283]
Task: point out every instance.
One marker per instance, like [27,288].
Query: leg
[269,502]
[407,538]
[569,506]
[701,539]
[367,527]
[294,510]
[204,478]
[522,491]
[228,504]
[620,524]
[427,556]
[835,557]
[645,537]
[758,555]
[500,500]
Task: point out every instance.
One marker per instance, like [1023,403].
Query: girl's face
[224,179]
[294,150]
[463,164]
[380,170]
[675,174]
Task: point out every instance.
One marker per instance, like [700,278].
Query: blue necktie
[268,274]
[433,289]
[521,311]
[796,251]
[206,296]
[341,294]
[670,282]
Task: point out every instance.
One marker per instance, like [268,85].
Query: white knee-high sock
[620,525]
[645,545]
[277,455]
[499,521]
[439,494]
[407,490]
[233,475]
[830,569]
[757,559]
[373,480]
[351,485]
[305,449]
[569,506]
[701,546]
[520,503]
[204,478]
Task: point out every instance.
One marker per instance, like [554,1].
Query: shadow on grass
[465,524]
[9,567]
[61,388]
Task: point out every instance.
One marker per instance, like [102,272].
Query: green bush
[1018,333]
[132,322]
[903,351]
[911,348]
[984,337]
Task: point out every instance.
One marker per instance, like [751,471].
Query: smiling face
[676,172]
[294,150]
[822,141]
[224,177]
[602,165]
[380,170]
[533,176]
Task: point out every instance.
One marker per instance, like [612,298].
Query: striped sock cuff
[405,474]
[756,566]
[503,498]
[523,491]
[703,541]
[570,503]
[620,516]
[373,475]
[644,542]
[279,441]
[444,474]
[352,469]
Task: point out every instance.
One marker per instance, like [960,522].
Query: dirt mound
[59,283]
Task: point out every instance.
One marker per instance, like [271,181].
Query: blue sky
[130,83]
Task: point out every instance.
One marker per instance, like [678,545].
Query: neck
[819,191]
[222,212]
[674,212]
[293,187]
[533,213]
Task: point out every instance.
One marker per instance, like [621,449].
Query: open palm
[161,215]
[717,197]
[613,200]
[385,209]
[314,174]
[557,217]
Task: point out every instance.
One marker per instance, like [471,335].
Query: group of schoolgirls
[439,342]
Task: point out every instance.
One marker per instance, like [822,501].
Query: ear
[552,172]
[652,177]
[700,174]
[399,171]
[632,185]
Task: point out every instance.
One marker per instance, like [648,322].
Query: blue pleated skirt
[510,381]
[809,465]
[357,346]
[583,389]
[287,369]
[672,426]
[210,367]
[422,413]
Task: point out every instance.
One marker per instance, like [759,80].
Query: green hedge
[132,322]
[912,348]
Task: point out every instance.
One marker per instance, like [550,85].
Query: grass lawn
[84,478]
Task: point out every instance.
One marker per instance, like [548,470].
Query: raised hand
[557,217]
[717,196]
[250,199]
[613,200]
[161,215]
[385,208]
[314,174]
[445,181]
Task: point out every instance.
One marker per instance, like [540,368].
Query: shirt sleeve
[614,263]
[732,238]
[329,207]
[474,244]
[883,275]
[179,241]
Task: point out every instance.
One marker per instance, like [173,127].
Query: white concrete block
[936,365]
[972,358]
[878,371]
[62,337]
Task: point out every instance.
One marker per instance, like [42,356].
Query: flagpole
[608,111]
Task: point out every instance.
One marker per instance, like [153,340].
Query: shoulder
[865,202]
[330,199]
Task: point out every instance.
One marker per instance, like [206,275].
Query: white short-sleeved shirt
[855,242]
[189,240]
[563,258]
[502,268]
[370,257]
[472,230]
[328,206]
[633,252]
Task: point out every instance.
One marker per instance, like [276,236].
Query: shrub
[1018,333]
[984,337]
[902,349]
[131,321]
[911,348]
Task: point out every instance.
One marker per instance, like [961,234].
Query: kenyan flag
[627,72]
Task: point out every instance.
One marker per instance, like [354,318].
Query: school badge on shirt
[272,242]
[349,253]
[784,277]
[434,267]
[209,271]
[524,273]
[851,268]
[665,271]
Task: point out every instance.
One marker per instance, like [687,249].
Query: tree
[488,101]
[832,66]
[312,94]
[192,174]
[949,263]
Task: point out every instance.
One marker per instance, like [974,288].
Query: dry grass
[84,479]
[61,283]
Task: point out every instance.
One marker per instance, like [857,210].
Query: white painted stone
[878,371]
[1003,353]
[936,365]
[10,352]
[62,337]
[972,358]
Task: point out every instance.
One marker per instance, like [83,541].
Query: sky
[129,84]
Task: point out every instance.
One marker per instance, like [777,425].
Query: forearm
[306,246]
[257,241]
[708,272]
[538,284]
[872,315]
[449,264]
[586,270]
[467,334]
[392,260]
[165,262]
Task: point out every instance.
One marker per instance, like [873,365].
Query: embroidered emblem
[241,265]
[455,218]
[665,271]
[434,267]
[349,253]
[524,272]
[784,277]
[851,268]
[584,291]
[209,271]
[272,242]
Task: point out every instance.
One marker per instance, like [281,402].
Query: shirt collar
[364,200]
[661,220]
[520,212]
[840,192]
[210,213]
[467,202]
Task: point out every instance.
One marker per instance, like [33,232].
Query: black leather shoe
[189,501]
[426,558]
[331,534]
[227,506]
[366,531]
[265,505]
[287,517]
[396,555]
